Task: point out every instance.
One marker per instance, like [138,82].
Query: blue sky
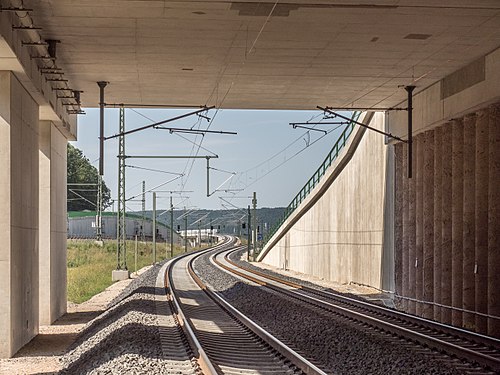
[261,155]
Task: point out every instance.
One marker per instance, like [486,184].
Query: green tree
[80,171]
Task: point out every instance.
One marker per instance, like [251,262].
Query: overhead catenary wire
[225,181]
[262,28]
[221,75]
[177,134]
[152,170]
[82,197]
[133,187]
[232,205]
[194,144]
[190,162]
[291,157]
[156,187]
[158,123]
[219,79]
[221,170]
[198,121]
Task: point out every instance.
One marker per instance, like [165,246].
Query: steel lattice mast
[121,234]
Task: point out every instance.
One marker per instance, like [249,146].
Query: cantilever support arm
[328,110]
[160,123]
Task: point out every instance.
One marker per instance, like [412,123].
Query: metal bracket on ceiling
[52,72]
[26,28]
[56,79]
[35,44]
[14,9]
[42,57]
[75,112]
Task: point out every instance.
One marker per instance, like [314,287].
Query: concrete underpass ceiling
[262,55]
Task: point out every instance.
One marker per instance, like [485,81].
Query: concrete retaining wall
[340,237]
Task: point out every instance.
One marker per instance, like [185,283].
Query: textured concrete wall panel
[398,219]
[412,231]
[469,202]
[446,223]
[481,218]
[406,217]
[438,200]
[457,214]
[428,225]
[419,144]
[494,221]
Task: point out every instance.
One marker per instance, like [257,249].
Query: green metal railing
[316,177]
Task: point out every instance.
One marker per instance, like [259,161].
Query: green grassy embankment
[90,266]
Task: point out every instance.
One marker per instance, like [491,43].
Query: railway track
[481,353]
[222,339]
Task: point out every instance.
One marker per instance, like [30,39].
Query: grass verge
[90,265]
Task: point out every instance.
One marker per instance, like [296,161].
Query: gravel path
[335,346]
[239,256]
[126,339]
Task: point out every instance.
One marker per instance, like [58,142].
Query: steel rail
[294,357]
[489,361]
[203,361]
[171,344]
[413,319]
[282,351]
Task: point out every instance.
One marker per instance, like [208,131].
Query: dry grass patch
[90,265]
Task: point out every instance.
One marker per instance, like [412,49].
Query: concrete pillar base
[119,275]
[99,243]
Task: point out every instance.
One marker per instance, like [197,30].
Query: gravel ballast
[334,345]
[126,338]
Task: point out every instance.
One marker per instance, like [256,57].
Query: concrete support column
[419,142]
[19,115]
[481,219]
[399,175]
[494,221]
[438,174]
[52,218]
[428,222]
[469,187]
[457,189]
[405,273]
[446,223]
